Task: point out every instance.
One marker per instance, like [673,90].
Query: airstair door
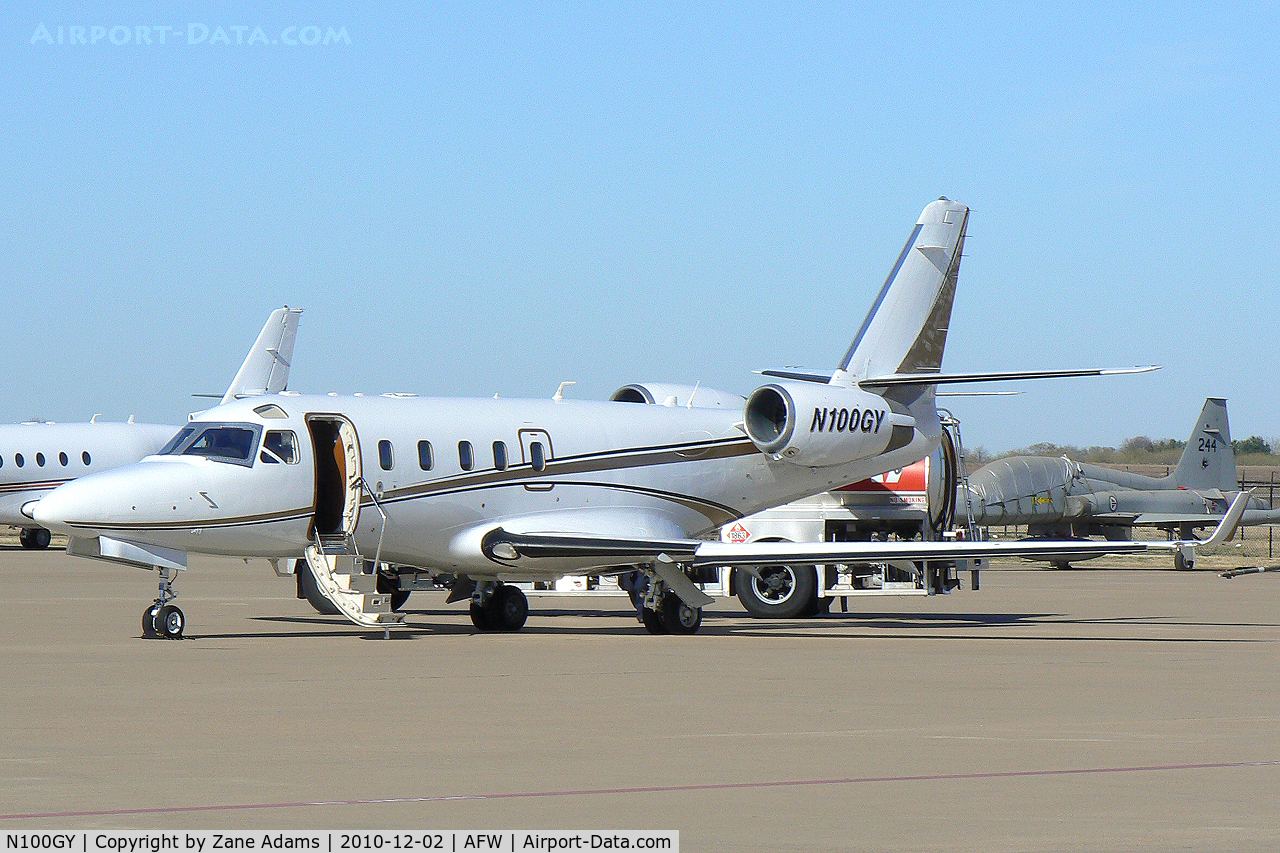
[333,558]
[338,473]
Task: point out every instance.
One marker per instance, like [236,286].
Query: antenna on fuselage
[689,403]
[559,395]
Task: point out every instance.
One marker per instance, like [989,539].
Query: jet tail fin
[266,368]
[906,329]
[1208,461]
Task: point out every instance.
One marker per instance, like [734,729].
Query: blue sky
[495,199]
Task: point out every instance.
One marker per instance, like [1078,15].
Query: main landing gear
[662,611]
[497,606]
[163,619]
[33,538]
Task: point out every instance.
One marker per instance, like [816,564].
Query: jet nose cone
[79,503]
[51,511]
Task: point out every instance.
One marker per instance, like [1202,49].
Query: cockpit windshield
[177,440]
[221,442]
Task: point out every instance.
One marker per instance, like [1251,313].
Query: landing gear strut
[497,606]
[163,619]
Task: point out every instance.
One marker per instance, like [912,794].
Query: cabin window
[85,458]
[466,456]
[40,459]
[537,456]
[63,460]
[426,459]
[18,460]
[500,455]
[279,445]
[386,457]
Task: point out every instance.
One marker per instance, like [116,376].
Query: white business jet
[37,457]
[495,490]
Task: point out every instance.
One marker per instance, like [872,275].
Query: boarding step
[340,577]
[337,543]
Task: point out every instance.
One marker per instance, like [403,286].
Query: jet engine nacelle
[818,425]
[671,394]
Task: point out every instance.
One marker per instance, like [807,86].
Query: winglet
[1227,527]
[266,368]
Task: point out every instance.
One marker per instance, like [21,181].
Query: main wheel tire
[34,538]
[1181,563]
[510,608]
[653,621]
[678,617]
[480,617]
[389,585]
[170,622]
[310,590]
[781,592]
[149,617]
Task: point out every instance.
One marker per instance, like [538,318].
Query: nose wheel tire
[163,619]
[170,622]
[149,621]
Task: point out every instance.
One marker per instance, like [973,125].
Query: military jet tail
[1208,462]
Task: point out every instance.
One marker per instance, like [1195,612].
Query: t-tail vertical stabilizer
[266,368]
[1208,461]
[906,329]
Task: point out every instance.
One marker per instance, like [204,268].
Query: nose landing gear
[163,619]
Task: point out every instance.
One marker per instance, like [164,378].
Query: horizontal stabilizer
[799,375]
[1001,376]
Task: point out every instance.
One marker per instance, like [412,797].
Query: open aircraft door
[338,475]
[333,562]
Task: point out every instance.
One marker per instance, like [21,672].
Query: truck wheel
[818,607]
[781,592]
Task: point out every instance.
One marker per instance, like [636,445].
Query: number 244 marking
[1207,444]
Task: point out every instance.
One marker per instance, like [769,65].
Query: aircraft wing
[814,553]
[515,548]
